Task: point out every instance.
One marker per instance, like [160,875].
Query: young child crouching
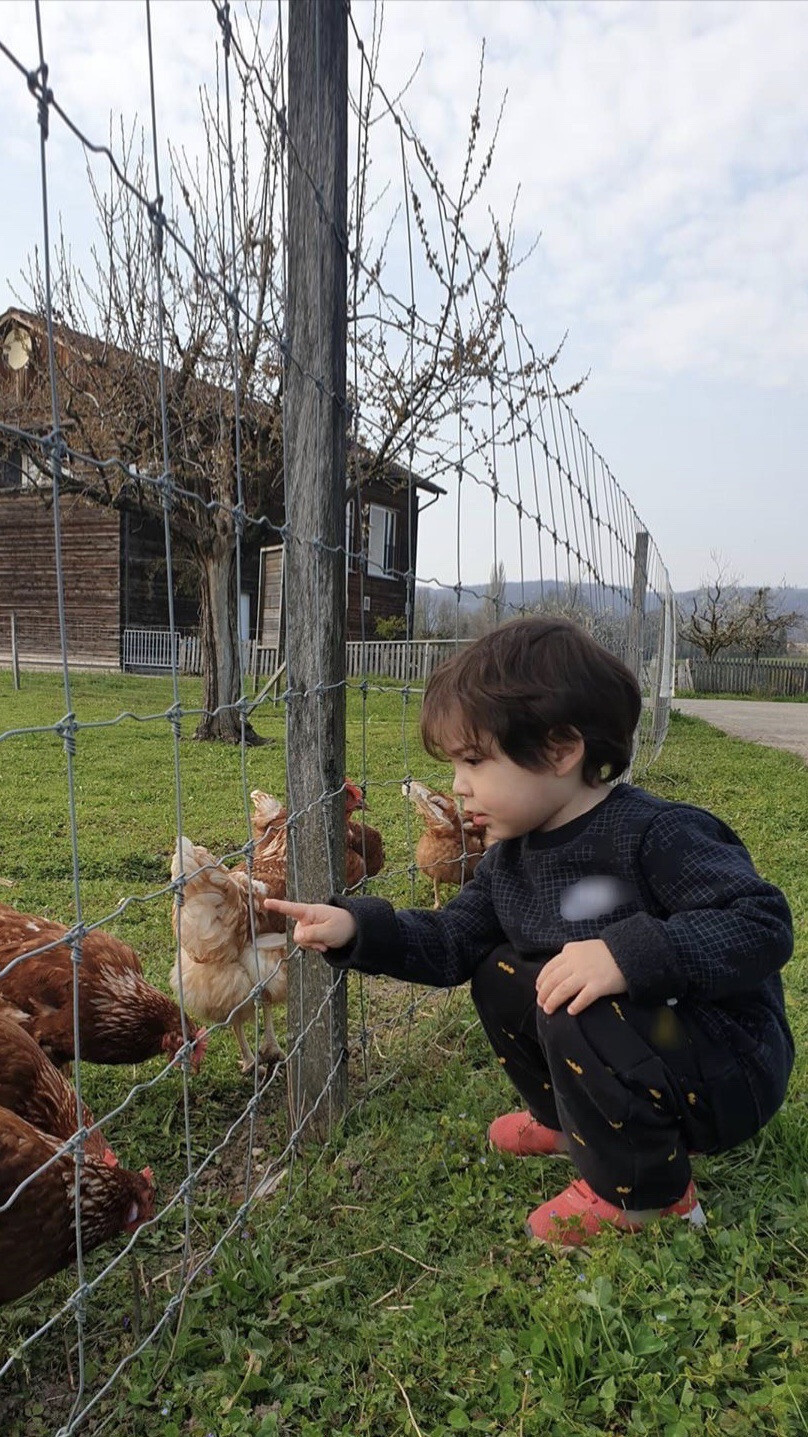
[623,953]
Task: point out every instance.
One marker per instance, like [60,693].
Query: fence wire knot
[165,487]
[78,1299]
[38,85]
[223,16]
[186,1187]
[174,715]
[67,729]
[76,938]
[54,447]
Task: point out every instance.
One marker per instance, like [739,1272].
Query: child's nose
[461,786]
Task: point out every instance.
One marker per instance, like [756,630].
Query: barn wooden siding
[115,577]
[386,598]
[144,604]
[90,544]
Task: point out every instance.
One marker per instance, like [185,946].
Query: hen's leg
[270,1051]
[247,1060]
[436,904]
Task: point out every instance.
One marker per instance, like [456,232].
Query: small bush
[393,628]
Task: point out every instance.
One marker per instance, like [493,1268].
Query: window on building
[35,476]
[11,471]
[32,478]
[351,542]
[381,541]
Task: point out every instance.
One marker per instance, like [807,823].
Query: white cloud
[659,148]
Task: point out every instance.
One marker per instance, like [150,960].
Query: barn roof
[91,352]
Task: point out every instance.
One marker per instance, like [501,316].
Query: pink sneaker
[578,1213]
[523,1135]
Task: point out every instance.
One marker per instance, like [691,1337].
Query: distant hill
[473,594]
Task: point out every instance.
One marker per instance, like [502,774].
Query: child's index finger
[282,905]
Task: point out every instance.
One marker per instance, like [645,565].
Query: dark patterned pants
[627,1084]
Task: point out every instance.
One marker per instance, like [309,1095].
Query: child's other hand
[582,971]
[317,925]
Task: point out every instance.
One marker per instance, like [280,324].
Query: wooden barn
[113,558]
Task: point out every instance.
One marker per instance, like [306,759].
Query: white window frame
[351,564]
[381,541]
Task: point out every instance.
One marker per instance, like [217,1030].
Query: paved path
[781,725]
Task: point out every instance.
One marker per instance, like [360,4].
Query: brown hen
[362,838]
[38,1229]
[218,964]
[35,1090]
[122,1018]
[364,850]
[451,847]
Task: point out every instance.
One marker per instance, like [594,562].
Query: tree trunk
[218,633]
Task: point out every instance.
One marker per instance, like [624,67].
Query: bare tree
[717,613]
[766,623]
[583,605]
[409,373]
[110,337]
[492,611]
[425,622]
[437,616]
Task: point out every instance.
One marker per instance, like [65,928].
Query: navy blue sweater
[668,887]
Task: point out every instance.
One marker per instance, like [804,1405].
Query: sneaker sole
[561,1153]
[695,1218]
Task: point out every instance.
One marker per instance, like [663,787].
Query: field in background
[399,1265]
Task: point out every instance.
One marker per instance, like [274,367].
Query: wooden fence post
[15,658]
[638,588]
[315,429]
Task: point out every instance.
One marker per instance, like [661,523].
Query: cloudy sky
[660,151]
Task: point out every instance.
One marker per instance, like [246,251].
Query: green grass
[398,1264]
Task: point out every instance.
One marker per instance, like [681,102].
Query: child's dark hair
[530,683]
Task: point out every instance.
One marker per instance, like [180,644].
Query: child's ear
[564,752]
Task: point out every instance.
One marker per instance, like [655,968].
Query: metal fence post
[315,429]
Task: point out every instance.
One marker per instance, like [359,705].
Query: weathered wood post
[663,670]
[638,588]
[315,428]
[15,657]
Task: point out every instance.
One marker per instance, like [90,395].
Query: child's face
[508,800]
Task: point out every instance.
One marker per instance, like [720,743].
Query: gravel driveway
[781,725]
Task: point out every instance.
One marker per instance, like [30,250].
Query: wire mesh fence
[310,342]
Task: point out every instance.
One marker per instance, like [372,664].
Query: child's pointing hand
[317,925]
[582,972]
